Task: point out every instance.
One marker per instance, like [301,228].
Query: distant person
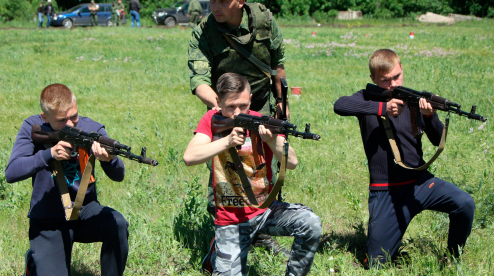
[114,14]
[397,194]
[120,11]
[194,13]
[93,9]
[41,11]
[135,11]
[55,168]
[49,12]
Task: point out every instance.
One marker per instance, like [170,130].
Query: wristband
[279,100]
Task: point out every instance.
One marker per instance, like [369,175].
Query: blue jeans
[40,19]
[48,20]
[135,17]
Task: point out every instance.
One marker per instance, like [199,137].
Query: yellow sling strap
[61,185]
[396,151]
[81,193]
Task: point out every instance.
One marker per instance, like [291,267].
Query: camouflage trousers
[280,219]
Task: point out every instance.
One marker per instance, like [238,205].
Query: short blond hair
[383,60]
[56,97]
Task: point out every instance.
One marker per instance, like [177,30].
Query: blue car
[80,16]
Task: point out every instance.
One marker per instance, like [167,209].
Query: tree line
[320,10]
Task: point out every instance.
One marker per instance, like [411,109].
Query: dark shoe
[266,241]
[207,265]
[29,261]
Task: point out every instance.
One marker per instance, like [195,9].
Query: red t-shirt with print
[232,204]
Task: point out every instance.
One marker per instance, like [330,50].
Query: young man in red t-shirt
[237,221]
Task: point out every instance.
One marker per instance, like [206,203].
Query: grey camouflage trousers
[280,219]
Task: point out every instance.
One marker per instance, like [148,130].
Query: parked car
[80,16]
[177,13]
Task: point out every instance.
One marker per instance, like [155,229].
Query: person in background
[93,9]
[41,11]
[194,13]
[114,14]
[49,12]
[135,11]
[120,10]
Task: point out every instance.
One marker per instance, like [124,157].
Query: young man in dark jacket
[40,11]
[397,194]
[135,11]
[49,12]
[51,235]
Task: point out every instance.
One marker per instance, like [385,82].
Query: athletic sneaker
[207,264]
[29,261]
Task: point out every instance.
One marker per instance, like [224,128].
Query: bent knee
[312,226]
[466,205]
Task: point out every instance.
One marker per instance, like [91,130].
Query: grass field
[136,83]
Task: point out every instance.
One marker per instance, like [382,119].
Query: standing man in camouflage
[194,13]
[251,26]
[93,9]
[114,14]
[120,10]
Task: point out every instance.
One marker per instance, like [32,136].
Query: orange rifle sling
[83,158]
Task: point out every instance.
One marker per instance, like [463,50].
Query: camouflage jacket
[194,6]
[210,54]
[120,6]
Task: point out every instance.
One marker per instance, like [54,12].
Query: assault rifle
[411,97]
[81,139]
[220,124]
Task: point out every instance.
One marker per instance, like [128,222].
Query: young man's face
[59,119]
[225,11]
[389,80]
[235,103]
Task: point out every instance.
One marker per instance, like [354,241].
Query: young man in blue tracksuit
[397,194]
[51,236]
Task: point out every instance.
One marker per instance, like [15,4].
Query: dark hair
[231,83]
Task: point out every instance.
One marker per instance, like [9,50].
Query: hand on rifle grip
[62,151]
[394,107]
[236,137]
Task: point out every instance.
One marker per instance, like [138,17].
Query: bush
[19,9]
[323,17]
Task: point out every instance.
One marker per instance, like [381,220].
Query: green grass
[145,101]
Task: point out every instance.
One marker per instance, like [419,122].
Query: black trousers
[51,242]
[390,212]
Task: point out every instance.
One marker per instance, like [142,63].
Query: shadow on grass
[353,243]
[81,269]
